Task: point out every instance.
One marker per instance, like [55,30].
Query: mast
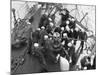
[13,11]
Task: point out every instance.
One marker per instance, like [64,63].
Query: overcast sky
[22,8]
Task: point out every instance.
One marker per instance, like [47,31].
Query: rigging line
[52,10]
[72,10]
[76,11]
[55,6]
[86,20]
[84,17]
[80,24]
[14,15]
[19,64]
[31,14]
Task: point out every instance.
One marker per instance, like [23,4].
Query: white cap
[72,30]
[51,24]
[58,56]
[70,44]
[36,45]
[85,68]
[42,27]
[62,28]
[67,28]
[69,19]
[50,38]
[72,41]
[18,19]
[73,19]
[46,13]
[76,28]
[28,23]
[56,34]
[89,52]
[65,34]
[89,33]
[38,29]
[67,22]
[82,30]
[17,40]
[45,36]
[63,12]
[50,19]
[63,43]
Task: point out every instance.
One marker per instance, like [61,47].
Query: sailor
[36,35]
[50,27]
[38,51]
[57,30]
[56,41]
[44,21]
[49,50]
[52,17]
[76,34]
[85,63]
[72,23]
[69,31]
[58,45]
[65,40]
[65,14]
[72,54]
[31,19]
[43,32]
[63,24]
[82,36]
[53,47]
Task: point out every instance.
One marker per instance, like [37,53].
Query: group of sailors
[52,42]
